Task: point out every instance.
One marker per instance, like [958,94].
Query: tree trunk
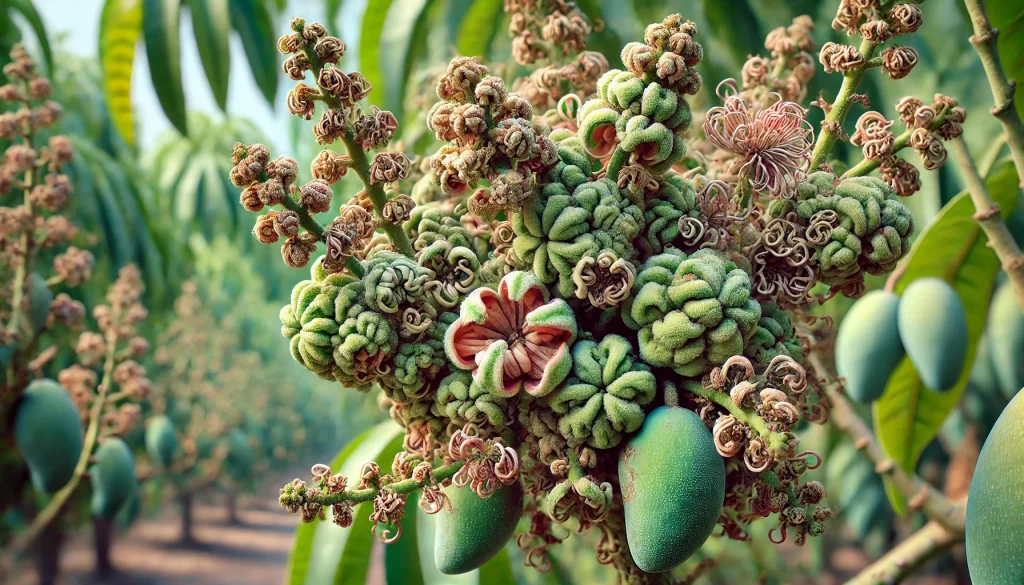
[48,554]
[103,538]
[231,505]
[186,535]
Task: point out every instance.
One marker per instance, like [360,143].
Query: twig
[902,141]
[988,217]
[984,41]
[907,556]
[834,120]
[920,494]
[777,442]
[406,486]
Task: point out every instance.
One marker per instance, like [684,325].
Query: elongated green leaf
[404,31]
[356,558]
[1008,17]
[953,248]
[374,19]
[330,543]
[161,21]
[28,11]
[481,24]
[333,8]
[402,557]
[735,23]
[211,23]
[120,27]
[253,23]
[498,571]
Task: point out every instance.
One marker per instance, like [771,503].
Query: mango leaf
[120,27]
[28,11]
[161,20]
[953,248]
[1008,17]
[211,23]
[318,550]
[402,558]
[498,571]
[405,30]
[374,19]
[478,28]
[256,29]
[333,8]
[737,25]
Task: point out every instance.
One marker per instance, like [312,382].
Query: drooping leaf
[211,23]
[402,558]
[161,21]
[953,248]
[498,571]
[326,547]
[403,33]
[256,29]
[28,11]
[120,27]
[1008,17]
[481,24]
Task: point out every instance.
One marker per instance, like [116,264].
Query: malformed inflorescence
[559,275]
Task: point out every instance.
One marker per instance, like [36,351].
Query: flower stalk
[844,101]
[902,141]
[439,474]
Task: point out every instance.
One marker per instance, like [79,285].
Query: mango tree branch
[987,215]
[907,556]
[406,486]
[984,41]
[844,101]
[919,493]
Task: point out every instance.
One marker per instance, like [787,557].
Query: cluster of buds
[876,26]
[115,347]
[555,32]
[788,69]
[490,135]
[670,53]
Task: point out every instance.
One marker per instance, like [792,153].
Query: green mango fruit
[113,477]
[673,487]
[473,530]
[130,511]
[868,346]
[161,441]
[933,327]
[1006,339]
[40,296]
[48,434]
[995,505]
[240,457]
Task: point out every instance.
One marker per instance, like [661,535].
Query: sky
[74,26]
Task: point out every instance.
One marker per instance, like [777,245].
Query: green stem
[851,79]
[984,41]
[902,141]
[361,166]
[24,267]
[777,442]
[406,486]
[907,556]
[61,498]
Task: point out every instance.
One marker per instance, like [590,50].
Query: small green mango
[933,327]
[868,346]
[673,486]
[161,441]
[474,530]
[48,434]
[1006,339]
[130,511]
[995,505]
[40,296]
[113,477]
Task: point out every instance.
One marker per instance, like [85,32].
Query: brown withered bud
[517,107]
[20,158]
[398,209]
[779,43]
[906,18]
[296,66]
[899,61]
[755,72]
[271,192]
[54,194]
[316,196]
[58,230]
[469,121]
[439,120]
[264,229]
[388,167]
[60,151]
[74,266]
[250,198]
[284,169]
[14,220]
[637,57]
[90,348]
[330,127]
[903,177]
[336,83]
[358,218]
[330,50]
[511,189]
[313,32]
[297,250]
[48,113]
[39,88]
[907,109]
[490,92]
[300,101]
[840,58]
[286,223]
[330,166]
[10,93]
[671,68]
[291,43]
[360,86]
[67,311]
[138,346]
[876,31]
[460,80]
